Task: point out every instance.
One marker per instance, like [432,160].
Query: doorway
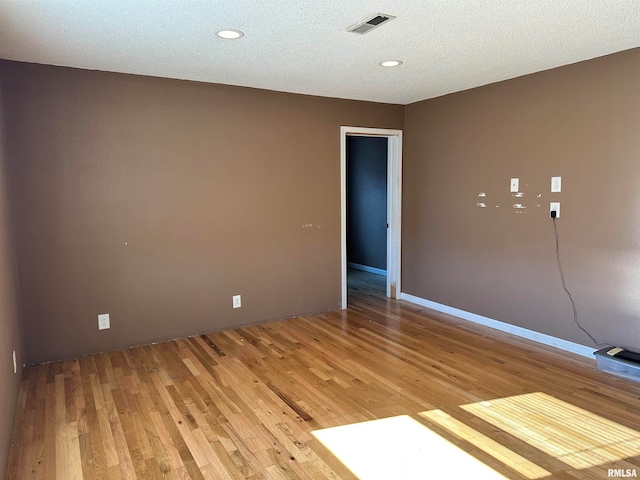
[393,206]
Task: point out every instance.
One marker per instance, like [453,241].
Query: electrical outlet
[556,184]
[237,301]
[515,185]
[103,321]
[15,364]
[554,207]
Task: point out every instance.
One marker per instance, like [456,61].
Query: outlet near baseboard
[103,321]
[237,301]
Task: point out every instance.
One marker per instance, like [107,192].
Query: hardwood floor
[259,402]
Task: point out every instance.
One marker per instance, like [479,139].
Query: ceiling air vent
[371,23]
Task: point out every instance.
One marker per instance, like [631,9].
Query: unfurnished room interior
[295,240]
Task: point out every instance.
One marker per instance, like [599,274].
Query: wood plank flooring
[245,403]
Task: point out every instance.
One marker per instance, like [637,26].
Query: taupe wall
[10,337]
[581,122]
[157,200]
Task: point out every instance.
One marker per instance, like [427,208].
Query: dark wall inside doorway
[367,201]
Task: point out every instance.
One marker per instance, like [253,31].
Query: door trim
[394,204]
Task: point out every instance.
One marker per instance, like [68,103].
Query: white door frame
[394,204]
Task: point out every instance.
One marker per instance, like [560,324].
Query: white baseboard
[502,326]
[367,268]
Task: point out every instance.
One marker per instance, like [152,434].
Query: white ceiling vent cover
[370,23]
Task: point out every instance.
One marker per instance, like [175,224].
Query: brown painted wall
[10,338]
[581,122]
[157,200]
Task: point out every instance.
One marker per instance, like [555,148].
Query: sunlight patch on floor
[511,459]
[574,436]
[400,447]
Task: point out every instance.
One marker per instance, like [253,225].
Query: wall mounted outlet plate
[103,321]
[237,301]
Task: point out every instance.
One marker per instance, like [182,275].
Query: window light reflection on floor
[400,447]
[516,462]
[577,437]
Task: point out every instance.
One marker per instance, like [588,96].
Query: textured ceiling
[302,46]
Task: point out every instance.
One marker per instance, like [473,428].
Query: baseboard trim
[367,268]
[502,326]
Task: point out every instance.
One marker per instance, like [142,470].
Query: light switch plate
[556,184]
[515,184]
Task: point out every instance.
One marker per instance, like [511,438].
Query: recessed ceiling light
[229,34]
[391,63]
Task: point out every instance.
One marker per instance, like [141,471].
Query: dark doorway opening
[367,212]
